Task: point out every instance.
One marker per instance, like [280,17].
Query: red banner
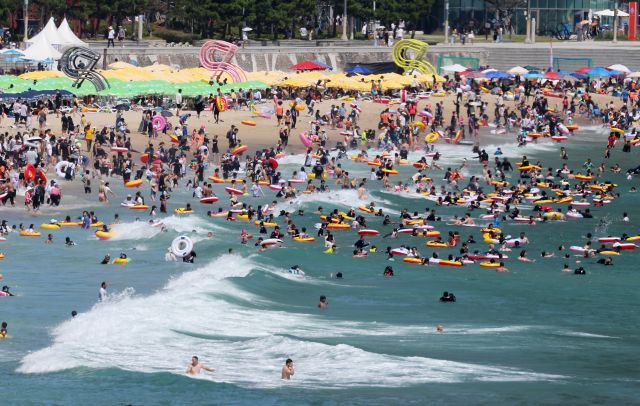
[633,20]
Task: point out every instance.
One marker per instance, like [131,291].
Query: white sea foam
[204,313]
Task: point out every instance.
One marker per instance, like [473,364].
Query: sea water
[534,335]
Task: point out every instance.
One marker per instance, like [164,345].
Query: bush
[174,36]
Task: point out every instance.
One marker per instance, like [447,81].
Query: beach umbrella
[498,75]
[602,72]
[611,13]
[551,75]
[534,75]
[362,70]
[584,69]
[518,70]
[619,67]
[453,68]
[307,65]
[475,75]
[634,75]
[324,64]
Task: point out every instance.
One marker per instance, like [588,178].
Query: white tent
[50,33]
[67,36]
[453,68]
[609,13]
[41,50]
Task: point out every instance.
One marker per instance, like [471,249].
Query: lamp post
[615,23]
[26,20]
[344,22]
[446,21]
[529,27]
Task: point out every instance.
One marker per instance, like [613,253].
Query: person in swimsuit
[196,366]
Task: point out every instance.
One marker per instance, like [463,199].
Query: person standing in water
[102,293]
[287,369]
[196,366]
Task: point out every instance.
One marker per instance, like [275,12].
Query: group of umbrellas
[532,72]
[127,81]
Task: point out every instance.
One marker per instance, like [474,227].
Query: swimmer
[440,328]
[447,297]
[287,369]
[5,291]
[3,330]
[388,272]
[170,256]
[106,259]
[196,366]
[49,239]
[68,242]
[323,302]
[502,268]
[210,235]
[73,314]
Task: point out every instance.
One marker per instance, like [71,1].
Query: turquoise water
[534,335]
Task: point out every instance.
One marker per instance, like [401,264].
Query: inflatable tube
[605,240]
[181,246]
[490,264]
[215,179]
[574,215]
[445,262]
[559,138]
[249,123]
[29,172]
[119,150]
[608,252]
[431,138]
[304,138]
[584,177]
[563,129]
[97,224]
[139,207]
[625,246]
[183,210]
[209,200]
[121,261]
[304,239]
[58,168]
[576,248]
[275,187]
[233,191]
[133,183]
[50,226]
[435,244]
[399,251]
[338,226]
[102,235]
[572,127]
[368,232]
[239,150]
[412,260]
[634,238]
[30,234]
[266,223]
[69,223]
[222,103]
[271,242]
[219,214]
[617,130]
[158,122]
[390,171]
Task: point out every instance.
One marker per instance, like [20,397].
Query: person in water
[73,314]
[323,302]
[49,239]
[68,242]
[580,271]
[5,291]
[190,257]
[448,297]
[287,369]
[106,259]
[196,366]
[102,293]
[3,330]
[388,272]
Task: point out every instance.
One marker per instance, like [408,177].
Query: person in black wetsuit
[448,297]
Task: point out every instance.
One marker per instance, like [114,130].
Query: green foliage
[184,19]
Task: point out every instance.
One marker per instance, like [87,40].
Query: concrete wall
[500,56]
